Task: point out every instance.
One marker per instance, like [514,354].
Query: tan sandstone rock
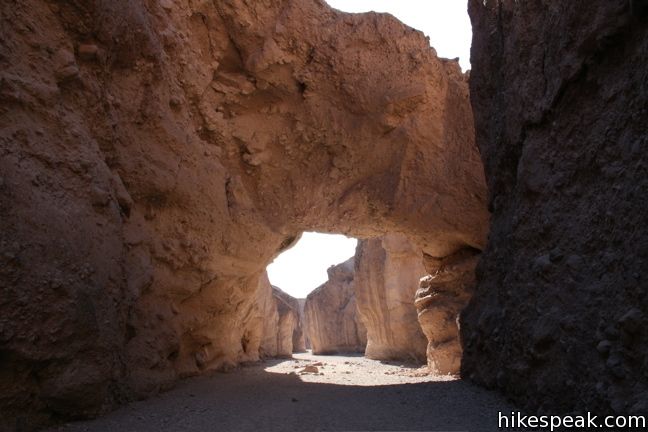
[439,301]
[282,325]
[302,303]
[387,275]
[309,369]
[331,316]
[290,322]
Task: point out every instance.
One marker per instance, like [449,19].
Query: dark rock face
[559,92]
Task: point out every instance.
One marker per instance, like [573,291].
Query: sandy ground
[346,393]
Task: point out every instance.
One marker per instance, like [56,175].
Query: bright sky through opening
[446,22]
[301,269]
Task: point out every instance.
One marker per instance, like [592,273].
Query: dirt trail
[346,393]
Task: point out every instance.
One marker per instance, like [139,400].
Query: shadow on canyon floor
[256,398]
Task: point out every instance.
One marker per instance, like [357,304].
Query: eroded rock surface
[387,275]
[441,297]
[331,316]
[559,318]
[155,157]
[302,303]
[281,323]
[288,307]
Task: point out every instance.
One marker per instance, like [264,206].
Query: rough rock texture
[331,316]
[156,155]
[387,275]
[281,323]
[441,297]
[559,91]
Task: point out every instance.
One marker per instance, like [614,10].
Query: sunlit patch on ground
[353,370]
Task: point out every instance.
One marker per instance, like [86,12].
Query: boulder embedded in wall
[558,320]
[441,297]
[387,275]
[331,315]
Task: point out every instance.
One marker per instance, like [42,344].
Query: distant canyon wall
[331,315]
[281,323]
[387,276]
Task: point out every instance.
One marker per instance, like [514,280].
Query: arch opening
[302,268]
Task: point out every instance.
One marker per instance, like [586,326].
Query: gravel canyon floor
[347,393]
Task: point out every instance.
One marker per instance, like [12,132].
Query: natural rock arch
[380,126]
[188,144]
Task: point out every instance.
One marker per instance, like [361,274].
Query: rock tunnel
[156,156]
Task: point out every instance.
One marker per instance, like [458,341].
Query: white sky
[301,269]
[446,22]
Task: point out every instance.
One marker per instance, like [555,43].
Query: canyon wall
[290,305]
[442,296]
[302,302]
[558,321]
[387,275]
[155,156]
[281,323]
[331,316]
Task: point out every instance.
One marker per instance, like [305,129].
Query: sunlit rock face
[281,323]
[331,316]
[290,323]
[558,321]
[387,275]
[307,344]
[155,157]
